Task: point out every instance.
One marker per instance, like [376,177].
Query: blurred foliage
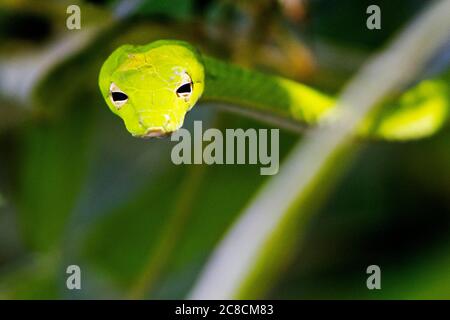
[75,188]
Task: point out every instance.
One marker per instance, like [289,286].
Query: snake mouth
[155,133]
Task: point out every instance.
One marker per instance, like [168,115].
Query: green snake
[152,87]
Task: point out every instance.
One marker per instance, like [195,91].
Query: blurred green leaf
[139,225]
[54,159]
[136,226]
[35,278]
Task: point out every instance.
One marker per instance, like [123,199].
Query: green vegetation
[76,188]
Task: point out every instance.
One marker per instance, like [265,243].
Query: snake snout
[157,124]
[164,130]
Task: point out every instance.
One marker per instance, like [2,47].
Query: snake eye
[185,90]
[118,97]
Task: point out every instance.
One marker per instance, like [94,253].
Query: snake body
[152,87]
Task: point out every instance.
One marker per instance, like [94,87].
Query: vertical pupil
[119,96]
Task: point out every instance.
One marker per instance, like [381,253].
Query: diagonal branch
[251,254]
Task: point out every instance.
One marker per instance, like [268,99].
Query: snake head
[152,87]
